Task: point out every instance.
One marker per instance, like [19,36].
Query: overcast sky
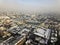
[34,5]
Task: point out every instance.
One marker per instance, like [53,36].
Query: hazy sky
[48,5]
[29,2]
